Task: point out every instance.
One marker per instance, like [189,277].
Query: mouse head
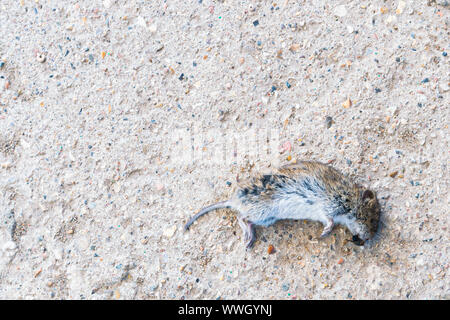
[367,217]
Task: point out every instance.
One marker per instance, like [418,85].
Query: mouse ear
[368,195]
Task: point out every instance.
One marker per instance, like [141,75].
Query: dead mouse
[306,190]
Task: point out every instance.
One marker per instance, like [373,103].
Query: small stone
[391,19]
[329,122]
[5,165]
[393,174]
[41,58]
[241,60]
[255,23]
[384,10]
[141,22]
[341,261]
[169,232]
[153,28]
[347,103]
[340,11]
[37,272]
[401,6]
[270,249]
[294,47]
[285,287]
[280,54]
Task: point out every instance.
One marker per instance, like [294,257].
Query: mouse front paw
[249,244]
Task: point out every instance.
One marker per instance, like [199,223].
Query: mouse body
[307,190]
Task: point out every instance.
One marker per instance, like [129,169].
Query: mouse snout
[358,241]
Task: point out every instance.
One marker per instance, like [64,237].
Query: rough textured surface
[121,119]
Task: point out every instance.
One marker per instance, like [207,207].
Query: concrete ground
[120,119]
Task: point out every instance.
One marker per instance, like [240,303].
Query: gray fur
[307,191]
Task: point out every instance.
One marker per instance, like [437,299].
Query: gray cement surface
[120,119]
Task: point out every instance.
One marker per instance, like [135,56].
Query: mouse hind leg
[328,226]
[248,229]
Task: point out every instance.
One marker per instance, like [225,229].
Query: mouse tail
[218,205]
